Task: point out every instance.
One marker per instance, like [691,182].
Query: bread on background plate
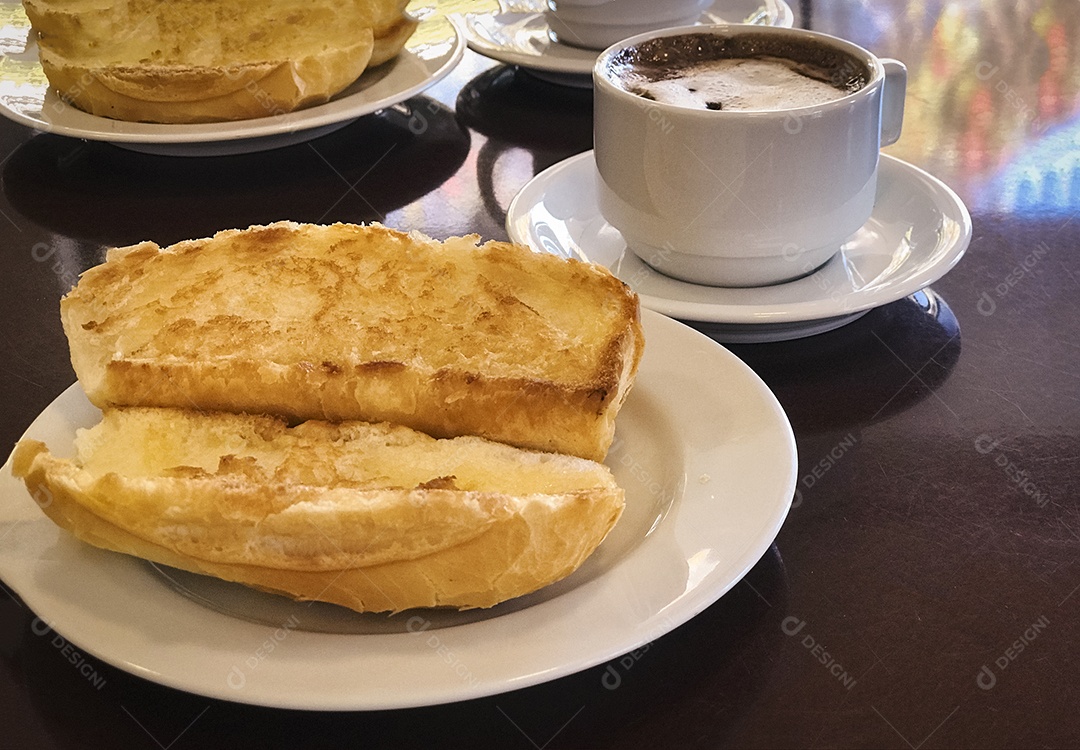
[373,517]
[350,322]
[190,61]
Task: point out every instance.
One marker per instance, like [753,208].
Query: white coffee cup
[596,24]
[742,198]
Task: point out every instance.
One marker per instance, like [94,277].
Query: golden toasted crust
[200,61]
[391,39]
[362,322]
[373,517]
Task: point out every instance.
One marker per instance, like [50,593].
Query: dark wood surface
[932,551]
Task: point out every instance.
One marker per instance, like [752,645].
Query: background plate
[26,97]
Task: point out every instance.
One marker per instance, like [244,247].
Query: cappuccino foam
[740,84]
[747,71]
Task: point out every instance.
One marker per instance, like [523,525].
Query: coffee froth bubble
[747,72]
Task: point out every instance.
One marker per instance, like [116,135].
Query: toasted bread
[198,61]
[374,517]
[390,40]
[362,322]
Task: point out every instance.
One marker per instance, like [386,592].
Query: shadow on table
[881,364]
[514,109]
[114,196]
[651,690]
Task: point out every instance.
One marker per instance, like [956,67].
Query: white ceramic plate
[918,231]
[26,97]
[709,475]
[519,35]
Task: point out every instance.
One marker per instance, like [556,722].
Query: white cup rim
[872,61]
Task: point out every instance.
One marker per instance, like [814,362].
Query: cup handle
[892,100]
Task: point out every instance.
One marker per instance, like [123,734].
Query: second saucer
[520,36]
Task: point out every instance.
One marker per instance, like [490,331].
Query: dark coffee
[746,72]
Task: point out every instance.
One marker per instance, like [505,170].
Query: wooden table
[925,588]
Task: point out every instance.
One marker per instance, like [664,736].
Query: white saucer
[918,231]
[709,475]
[519,35]
[26,97]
